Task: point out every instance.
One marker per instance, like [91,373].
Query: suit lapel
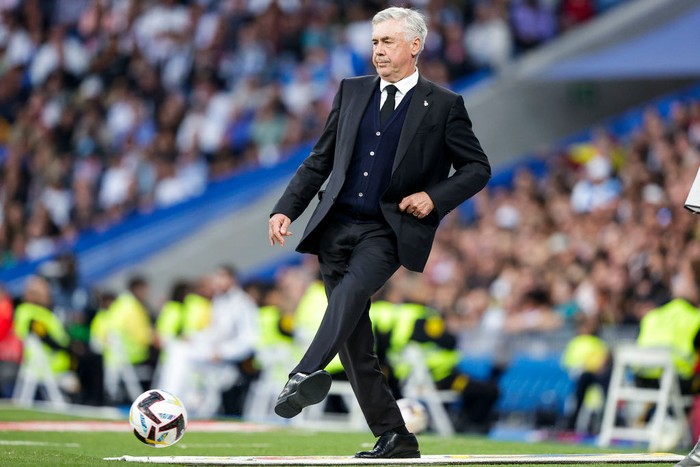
[358,98]
[417,109]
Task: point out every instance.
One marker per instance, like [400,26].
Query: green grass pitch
[75,449]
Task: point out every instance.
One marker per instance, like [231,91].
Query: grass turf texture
[77,449]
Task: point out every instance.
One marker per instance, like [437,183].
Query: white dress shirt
[402,86]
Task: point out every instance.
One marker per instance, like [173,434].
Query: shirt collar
[403,85]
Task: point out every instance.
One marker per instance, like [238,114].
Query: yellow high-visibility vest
[130,320]
[32,318]
[673,326]
[440,361]
[197,313]
[585,352]
[171,320]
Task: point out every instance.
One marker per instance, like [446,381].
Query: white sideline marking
[182,445]
[456,459]
[123,426]
[7,442]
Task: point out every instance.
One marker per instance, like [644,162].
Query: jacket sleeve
[315,169]
[472,168]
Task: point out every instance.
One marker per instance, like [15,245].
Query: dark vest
[369,172]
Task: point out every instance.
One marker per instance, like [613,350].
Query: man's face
[392,55]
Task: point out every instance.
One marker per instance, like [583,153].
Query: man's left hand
[418,205]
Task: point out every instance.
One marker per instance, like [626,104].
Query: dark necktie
[389,104]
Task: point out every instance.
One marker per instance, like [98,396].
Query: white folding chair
[419,385]
[275,363]
[118,369]
[34,371]
[622,391]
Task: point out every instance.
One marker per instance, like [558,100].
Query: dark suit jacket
[437,135]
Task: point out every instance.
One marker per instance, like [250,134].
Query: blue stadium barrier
[531,383]
[479,367]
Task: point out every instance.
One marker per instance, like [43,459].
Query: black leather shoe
[392,445]
[302,390]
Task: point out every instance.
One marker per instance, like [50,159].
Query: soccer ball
[414,415]
[671,434]
[158,418]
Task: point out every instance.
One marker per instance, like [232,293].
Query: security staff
[33,316]
[675,326]
[423,325]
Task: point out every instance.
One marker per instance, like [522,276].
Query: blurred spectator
[73,302]
[170,323]
[129,329]
[100,325]
[197,305]
[10,345]
[455,55]
[6,314]
[574,12]
[534,313]
[488,40]
[675,326]
[59,53]
[597,189]
[533,23]
[588,360]
[33,316]
[237,342]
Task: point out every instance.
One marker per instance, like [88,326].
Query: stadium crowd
[114,107]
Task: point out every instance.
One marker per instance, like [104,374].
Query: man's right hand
[279,225]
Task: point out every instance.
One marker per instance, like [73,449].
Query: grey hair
[413,22]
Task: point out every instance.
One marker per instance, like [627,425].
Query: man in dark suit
[386,151]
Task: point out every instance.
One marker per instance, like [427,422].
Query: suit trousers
[356,259]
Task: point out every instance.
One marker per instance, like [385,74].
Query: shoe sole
[407,455]
[309,392]
[401,455]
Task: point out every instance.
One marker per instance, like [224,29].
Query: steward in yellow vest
[275,347]
[130,320]
[170,323]
[129,325]
[675,326]
[99,326]
[276,327]
[197,312]
[422,325]
[193,313]
[587,359]
[37,320]
[34,317]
